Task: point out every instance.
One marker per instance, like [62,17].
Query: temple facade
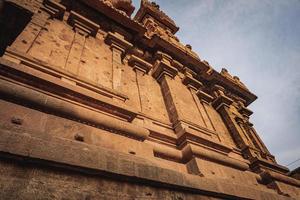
[98,104]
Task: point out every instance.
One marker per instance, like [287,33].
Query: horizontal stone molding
[189,151]
[258,164]
[167,153]
[97,161]
[29,61]
[269,176]
[71,110]
[72,92]
[188,133]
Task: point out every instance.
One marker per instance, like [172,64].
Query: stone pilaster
[163,68]
[83,28]
[118,46]
[38,25]
[195,86]
[163,72]
[205,101]
[222,104]
[141,68]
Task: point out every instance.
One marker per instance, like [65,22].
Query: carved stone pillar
[118,46]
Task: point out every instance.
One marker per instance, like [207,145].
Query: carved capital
[245,111]
[240,120]
[56,10]
[116,40]
[163,67]
[191,82]
[82,24]
[138,64]
[222,100]
[218,90]
[177,65]
[203,96]
[163,57]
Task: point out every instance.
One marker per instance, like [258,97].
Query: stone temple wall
[97,104]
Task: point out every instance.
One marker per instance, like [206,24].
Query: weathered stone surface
[97,105]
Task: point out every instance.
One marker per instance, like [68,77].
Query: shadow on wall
[13,20]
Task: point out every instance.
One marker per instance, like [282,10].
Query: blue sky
[259,41]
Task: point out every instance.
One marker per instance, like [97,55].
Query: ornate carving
[125,6]
[152,9]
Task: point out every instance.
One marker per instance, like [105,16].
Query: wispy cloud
[257,40]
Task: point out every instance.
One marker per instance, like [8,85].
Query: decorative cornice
[224,72]
[82,24]
[178,51]
[116,15]
[71,110]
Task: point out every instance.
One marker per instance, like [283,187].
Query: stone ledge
[29,61]
[69,109]
[72,155]
[269,176]
[56,85]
